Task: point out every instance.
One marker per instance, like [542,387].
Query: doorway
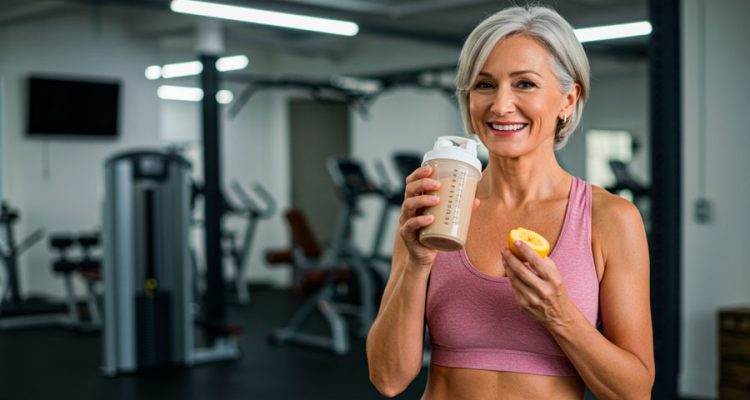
[318,130]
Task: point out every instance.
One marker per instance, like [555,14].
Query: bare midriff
[445,383]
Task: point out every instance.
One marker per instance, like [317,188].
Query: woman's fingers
[410,228]
[420,186]
[524,294]
[519,269]
[536,261]
[416,182]
[411,206]
[415,199]
[419,173]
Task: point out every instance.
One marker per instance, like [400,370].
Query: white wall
[54,183]
[715,272]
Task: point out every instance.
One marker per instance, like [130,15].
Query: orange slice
[534,240]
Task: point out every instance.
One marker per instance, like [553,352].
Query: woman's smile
[506,128]
[516,98]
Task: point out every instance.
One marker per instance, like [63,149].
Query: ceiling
[439,22]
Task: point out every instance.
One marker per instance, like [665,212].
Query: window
[602,146]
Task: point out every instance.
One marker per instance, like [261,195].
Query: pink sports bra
[475,322]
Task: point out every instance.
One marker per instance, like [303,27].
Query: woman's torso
[555,220]
[445,383]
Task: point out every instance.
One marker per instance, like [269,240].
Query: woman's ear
[571,99]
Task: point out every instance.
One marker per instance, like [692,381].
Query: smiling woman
[520,326]
[561,56]
[520,97]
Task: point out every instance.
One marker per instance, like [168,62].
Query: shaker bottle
[456,166]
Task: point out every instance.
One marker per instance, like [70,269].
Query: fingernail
[518,243]
[434,198]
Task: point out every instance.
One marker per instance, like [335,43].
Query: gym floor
[60,364]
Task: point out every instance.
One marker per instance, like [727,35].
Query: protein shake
[457,168]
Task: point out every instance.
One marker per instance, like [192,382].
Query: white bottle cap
[455,148]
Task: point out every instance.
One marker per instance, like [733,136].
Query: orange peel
[537,242]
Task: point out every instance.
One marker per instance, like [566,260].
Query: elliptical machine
[340,263]
[393,197]
[234,247]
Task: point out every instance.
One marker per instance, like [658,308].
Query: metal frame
[666,176]
[214,303]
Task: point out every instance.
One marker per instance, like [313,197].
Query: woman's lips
[506,128]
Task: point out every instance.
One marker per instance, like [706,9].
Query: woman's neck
[516,181]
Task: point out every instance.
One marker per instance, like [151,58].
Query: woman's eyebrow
[525,71]
[514,73]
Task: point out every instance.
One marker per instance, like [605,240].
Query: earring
[565,119]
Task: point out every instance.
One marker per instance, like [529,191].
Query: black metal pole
[214,316]
[666,203]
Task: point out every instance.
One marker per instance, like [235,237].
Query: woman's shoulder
[616,229]
[611,207]
[612,216]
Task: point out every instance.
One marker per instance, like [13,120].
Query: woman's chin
[505,152]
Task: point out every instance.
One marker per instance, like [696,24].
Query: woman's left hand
[537,285]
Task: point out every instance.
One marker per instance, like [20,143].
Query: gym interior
[197,207]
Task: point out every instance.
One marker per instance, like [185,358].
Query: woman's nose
[504,102]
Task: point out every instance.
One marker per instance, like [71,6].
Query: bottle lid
[455,148]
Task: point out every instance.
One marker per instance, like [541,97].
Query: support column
[666,187]
[214,313]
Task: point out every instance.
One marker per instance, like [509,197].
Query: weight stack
[147,270]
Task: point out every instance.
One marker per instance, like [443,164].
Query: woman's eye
[526,85]
[484,85]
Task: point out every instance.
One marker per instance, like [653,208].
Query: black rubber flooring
[59,364]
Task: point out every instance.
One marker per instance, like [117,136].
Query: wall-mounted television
[72,107]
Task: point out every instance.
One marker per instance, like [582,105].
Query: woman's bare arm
[618,364]
[396,338]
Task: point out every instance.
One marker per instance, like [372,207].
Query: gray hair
[547,27]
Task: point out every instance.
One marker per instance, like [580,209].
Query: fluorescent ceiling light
[357,84]
[224,96]
[254,15]
[223,64]
[613,31]
[153,72]
[184,93]
[181,69]
[232,63]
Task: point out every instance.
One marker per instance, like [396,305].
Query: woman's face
[516,100]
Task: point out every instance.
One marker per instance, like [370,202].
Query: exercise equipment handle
[250,205]
[30,240]
[385,181]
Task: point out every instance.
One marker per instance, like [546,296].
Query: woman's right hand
[418,196]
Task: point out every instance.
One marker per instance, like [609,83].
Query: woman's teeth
[507,127]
